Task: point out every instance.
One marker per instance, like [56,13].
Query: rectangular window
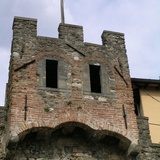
[52,73]
[95,80]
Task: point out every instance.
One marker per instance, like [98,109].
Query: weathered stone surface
[43,120]
[73,146]
[148,151]
[50,107]
[3,133]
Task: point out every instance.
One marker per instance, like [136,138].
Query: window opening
[52,73]
[136,94]
[95,78]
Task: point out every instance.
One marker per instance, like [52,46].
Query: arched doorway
[68,141]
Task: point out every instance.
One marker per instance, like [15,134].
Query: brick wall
[33,105]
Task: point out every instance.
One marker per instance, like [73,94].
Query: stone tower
[69,99]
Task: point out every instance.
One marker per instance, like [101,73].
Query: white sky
[139,20]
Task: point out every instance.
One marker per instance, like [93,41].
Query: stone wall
[70,121]
[156,150]
[148,150]
[3,119]
[72,100]
[32,104]
[45,143]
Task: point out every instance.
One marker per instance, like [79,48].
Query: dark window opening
[51,73]
[136,95]
[137,109]
[95,78]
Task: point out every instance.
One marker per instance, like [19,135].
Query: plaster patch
[89,97]
[102,99]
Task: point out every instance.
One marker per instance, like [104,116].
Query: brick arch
[99,60]
[72,61]
[73,117]
[124,143]
[56,54]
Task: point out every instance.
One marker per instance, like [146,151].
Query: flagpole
[62,12]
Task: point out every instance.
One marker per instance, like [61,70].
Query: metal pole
[62,12]
[124,116]
[25,108]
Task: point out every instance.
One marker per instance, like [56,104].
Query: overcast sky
[139,20]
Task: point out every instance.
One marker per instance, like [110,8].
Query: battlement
[27,27]
[71,33]
[24,26]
